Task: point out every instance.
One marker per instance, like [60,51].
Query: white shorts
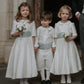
[44,59]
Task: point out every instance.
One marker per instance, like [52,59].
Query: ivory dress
[22,63]
[66,59]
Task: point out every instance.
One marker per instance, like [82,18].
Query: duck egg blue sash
[45,46]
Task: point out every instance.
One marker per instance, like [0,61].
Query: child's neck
[24,18]
[64,21]
[46,26]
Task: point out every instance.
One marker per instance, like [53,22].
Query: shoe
[48,82]
[69,81]
[82,81]
[43,82]
[63,81]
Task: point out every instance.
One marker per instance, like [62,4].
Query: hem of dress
[66,73]
[21,77]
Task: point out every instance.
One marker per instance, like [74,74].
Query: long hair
[18,16]
[65,7]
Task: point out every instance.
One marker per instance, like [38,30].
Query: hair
[65,7]
[18,16]
[46,15]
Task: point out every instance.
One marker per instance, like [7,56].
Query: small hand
[16,34]
[78,15]
[53,49]
[67,40]
[20,33]
[35,49]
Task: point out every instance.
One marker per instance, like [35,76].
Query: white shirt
[82,10]
[45,35]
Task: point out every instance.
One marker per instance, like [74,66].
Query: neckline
[64,22]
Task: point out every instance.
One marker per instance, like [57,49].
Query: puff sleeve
[14,27]
[33,28]
[74,33]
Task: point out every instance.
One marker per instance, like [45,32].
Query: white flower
[20,27]
[67,35]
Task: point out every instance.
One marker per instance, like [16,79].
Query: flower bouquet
[68,35]
[20,27]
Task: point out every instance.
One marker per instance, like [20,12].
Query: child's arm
[14,31]
[54,48]
[55,37]
[74,33]
[16,34]
[33,40]
[36,41]
[71,38]
[54,41]
[33,33]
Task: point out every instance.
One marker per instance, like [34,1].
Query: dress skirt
[66,58]
[22,63]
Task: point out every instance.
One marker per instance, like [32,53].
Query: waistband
[45,46]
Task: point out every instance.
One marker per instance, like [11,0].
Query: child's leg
[47,75]
[26,81]
[68,79]
[21,81]
[63,79]
[42,72]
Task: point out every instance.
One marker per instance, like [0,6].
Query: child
[22,64]
[66,59]
[45,44]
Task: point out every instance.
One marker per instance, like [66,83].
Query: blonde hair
[65,7]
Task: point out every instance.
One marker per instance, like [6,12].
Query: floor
[76,78]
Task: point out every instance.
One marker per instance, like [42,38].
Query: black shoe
[43,82]
[82,81]
[48,82]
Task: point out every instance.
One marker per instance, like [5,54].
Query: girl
[66,59]
[45,44]
[22,64]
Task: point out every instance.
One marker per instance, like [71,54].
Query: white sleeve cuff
[77,13]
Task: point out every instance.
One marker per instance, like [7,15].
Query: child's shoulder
[68,22]
[57,23]
[39,28]
[14,21]
[51,28]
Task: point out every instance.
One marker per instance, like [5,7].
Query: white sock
[47,75]
[63,79]
[26,81]
[68,79]
[42,72]
[21,81]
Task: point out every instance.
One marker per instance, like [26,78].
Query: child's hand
[16,34]
[20,33]
[35,49]
[53,49]
[67,40]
